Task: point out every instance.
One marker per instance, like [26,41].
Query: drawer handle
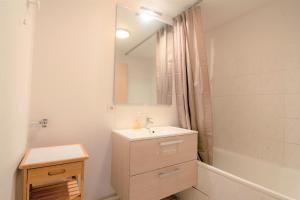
[171,142]
[165,174]
[56,172]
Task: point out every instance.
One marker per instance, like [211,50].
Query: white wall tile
[292,105]
[292,81]
[257,82]
[245,84]
[291,156]
[269,150]
[271,82]
[292,130]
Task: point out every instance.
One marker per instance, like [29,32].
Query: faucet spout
[149,121]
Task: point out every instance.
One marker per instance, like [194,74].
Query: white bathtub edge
[245,182]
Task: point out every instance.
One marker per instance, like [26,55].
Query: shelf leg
[25,185]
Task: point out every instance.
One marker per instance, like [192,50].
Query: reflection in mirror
[143,71]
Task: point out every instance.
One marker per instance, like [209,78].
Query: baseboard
[111,197]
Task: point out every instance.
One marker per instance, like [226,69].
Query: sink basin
[153,132]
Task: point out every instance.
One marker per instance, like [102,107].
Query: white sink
[154,132]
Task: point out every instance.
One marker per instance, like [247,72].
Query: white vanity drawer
[163,182]
[152,154]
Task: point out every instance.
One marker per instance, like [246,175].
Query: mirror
[140,76]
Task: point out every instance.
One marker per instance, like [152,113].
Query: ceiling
[214,12]
[218,12]
[169,8]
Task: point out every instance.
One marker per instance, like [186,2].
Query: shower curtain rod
[139,44]
[196,4]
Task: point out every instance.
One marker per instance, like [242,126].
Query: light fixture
[122,33]
[145,17]
[147,14]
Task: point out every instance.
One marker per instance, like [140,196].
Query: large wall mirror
[142,73]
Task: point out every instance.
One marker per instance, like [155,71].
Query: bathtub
[238,177]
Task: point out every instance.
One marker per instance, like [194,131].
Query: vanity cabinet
[151,166]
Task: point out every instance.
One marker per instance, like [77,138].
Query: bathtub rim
[244,182]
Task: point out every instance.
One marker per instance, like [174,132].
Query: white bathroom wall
[255,86]
[73,85]
[15,74]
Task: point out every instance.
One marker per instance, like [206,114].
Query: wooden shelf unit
[54,173]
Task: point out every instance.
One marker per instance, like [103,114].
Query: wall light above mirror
[142,73]
[147,14]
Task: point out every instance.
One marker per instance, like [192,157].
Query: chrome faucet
[148,122]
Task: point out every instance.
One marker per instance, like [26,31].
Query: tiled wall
[256,83]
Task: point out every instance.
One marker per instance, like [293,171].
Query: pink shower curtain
[192,80]
[164,64]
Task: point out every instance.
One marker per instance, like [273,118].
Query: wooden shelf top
[47,156]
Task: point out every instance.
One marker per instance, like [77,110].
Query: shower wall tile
[246,64]
[291,155]
[271,82]
[292,105]
[250,124]
[292,81]
[223,120]
[252,84]
[222,86]
[271,129]
[245,84]
[292,132]
[271,151]
[256,84]
[229,65]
